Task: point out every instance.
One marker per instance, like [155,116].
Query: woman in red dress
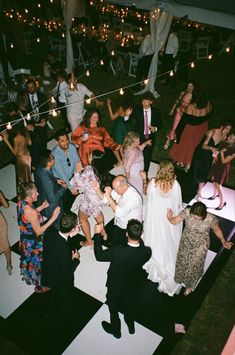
[191,129]
[91,135]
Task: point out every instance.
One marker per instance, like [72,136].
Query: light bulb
[12,45]
[38,40]
[146,81]
[192,65]
[121,92]
[101,62]
[9,126]
[87,73]
[112,53]
[227,49]
[171,73]
[53,100]
[210,56]
[54,113]
[28,117]
[88,101]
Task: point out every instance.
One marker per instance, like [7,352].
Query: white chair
[57,47]
[81,61]
[202,47]
[134,57]
[185,40]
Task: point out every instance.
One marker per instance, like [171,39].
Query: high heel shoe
[212,197]
[219,208]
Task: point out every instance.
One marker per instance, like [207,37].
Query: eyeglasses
[68,162]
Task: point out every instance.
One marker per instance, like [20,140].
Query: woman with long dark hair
[90,204]
[91,135]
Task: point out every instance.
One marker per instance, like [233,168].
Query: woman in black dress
[203,156]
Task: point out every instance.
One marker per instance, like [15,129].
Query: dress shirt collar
[63,236]
[133,245]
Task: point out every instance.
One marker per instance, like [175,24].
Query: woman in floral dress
[90,204]
[32,230]
[194,243]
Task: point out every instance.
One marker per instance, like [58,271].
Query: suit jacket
[42,103]
[137,121]
[48,190]
[125,270]
[57,266]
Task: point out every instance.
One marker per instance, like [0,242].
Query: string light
[171,73]
[54,113]
[101,62]
[28,117]
[121,92]
[88,101]
[227,49]
[38,40]
[146,81]
[53,100]
[210,56]
[9,126]
[192,65]
[87,73]
[112,53]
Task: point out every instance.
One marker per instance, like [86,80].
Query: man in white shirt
[59,91]
[145,56]
[126,202]
[171,51]
[75,96]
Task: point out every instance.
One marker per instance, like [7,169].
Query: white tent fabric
[160,23]
[68,7]
[198,14]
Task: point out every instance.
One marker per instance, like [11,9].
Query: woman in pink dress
[177,110]
[191,129]
[134,159]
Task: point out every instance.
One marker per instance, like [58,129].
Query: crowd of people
[80,165]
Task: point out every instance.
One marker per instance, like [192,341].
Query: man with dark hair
[124,274]
[59,264]
[49,188]
[66,159]
[37,107]
[146,122]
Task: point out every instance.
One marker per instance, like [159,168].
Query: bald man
[126,202]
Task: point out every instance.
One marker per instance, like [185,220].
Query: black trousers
[114,303]
[147,156]
[68,200]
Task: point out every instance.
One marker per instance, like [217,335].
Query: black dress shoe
[212,197]
[220,208]
[108,329]
[131,327]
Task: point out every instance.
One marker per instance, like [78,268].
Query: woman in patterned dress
[194,243]
[32,230]
[90,204]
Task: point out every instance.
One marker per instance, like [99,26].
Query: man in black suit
[37,107]
[49,187]
[146,121]
[59,264]
[124,274]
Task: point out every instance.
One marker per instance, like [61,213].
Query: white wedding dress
[162,236]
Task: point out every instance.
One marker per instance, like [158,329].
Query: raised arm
[173,220]
[32,217]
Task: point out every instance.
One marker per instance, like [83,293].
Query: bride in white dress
[163,192]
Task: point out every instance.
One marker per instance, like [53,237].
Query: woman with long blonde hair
[163,192]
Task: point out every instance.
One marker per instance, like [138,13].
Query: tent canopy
[212,12]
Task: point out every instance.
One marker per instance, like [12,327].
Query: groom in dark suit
[146,121]
[59,264]
[124,274]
